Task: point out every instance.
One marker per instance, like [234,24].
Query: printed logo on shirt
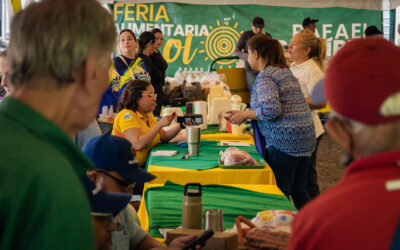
[127,116]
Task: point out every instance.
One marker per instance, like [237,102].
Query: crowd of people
[56,196]
[139,59]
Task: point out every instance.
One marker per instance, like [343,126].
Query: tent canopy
[355,4]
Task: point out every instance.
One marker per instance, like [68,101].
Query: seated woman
[283,117]
[136,123]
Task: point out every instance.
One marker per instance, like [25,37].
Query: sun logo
[221,42]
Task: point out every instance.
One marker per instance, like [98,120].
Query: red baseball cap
[362,82]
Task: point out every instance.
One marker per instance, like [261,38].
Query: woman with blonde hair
[308,55]
[125,67]
[282,115]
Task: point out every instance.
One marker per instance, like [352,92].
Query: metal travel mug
[213,220]
[192,207]
[193,140]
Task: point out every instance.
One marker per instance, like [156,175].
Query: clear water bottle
[178,73]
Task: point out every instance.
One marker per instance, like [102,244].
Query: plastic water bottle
[178,73]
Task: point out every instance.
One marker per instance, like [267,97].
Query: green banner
[195,35]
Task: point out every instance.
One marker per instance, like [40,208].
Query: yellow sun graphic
[221,42]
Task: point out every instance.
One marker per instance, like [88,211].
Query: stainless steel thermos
[213,220]
[192,207]
[193,140]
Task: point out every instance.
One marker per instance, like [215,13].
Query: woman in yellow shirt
[136,123]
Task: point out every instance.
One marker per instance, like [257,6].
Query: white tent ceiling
[356,4]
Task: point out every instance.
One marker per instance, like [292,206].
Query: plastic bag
[276,219]
[237,157]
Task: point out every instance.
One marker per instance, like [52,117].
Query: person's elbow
[163,136]
[266,113]
[138,146]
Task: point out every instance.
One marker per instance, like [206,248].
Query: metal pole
[3,18]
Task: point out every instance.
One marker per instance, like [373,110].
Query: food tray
[261,164]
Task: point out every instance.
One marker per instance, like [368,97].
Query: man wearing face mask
[257,28]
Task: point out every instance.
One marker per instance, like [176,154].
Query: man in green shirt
[59,56]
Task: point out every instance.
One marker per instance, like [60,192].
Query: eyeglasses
[127,186]
[111,219]
[150,95]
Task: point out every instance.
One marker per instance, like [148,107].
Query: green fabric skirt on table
[164,204]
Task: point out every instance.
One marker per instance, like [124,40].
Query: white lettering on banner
[178,30]
[189,29]
[167,29]
[137,30]
[333,44]
[341,32]
[325,30]
[296,28]
[203,31]
[354,30]
[149,26]
[337,44]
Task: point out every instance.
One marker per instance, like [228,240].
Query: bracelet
[181,125]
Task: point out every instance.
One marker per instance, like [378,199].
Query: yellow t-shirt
[127,119]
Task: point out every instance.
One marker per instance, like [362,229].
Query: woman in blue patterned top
[283,116]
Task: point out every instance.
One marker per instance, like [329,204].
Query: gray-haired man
[59,56]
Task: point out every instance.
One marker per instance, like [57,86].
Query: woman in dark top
[157,57]
[146,49]
[125,67]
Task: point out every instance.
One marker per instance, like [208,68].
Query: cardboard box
[219,241]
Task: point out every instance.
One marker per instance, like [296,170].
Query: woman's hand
[190,122]
[165,120]
[229,114]
[262,238]
[236,117]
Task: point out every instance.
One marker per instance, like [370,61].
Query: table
[164,203]
[214,175]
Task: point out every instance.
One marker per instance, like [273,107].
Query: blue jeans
[290,174]
[250,79]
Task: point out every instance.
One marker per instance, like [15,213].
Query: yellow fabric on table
[215,175]
[267,189]
[228,137]
[212,176]
[127,119]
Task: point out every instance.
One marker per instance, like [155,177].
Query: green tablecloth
[164,204]
[207,159]
[211,129]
